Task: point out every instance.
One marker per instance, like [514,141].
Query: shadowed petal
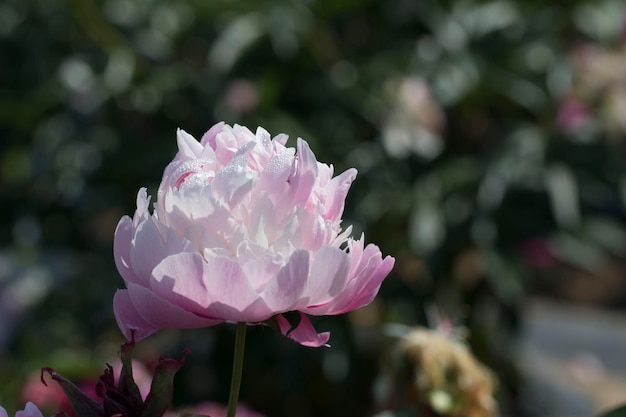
[362,288]
[128,318]
[180,279]
[232,297]
[162,313]
[329,274]
[121,249]
[148,249]
[304,333]
[284,293]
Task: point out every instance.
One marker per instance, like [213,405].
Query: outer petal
[128,318]
[260,269]
[218,289]
[232,297]
[329,274]
[363,286]
[3,412]
[161,313]
[148,249]
[337,192]
[305,333]
[121,249]
[284,293]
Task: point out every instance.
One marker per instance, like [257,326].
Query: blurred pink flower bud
[245,229]
[241,96]
[572,114]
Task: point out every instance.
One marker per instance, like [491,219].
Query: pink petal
[188,146]
[338,190]
[260,269]
[305,333]
[281,138]
[235,180]
[124,234]
[143,202]
[179,278]
[162,313]
[209,137]
[262,223]
[284,293]
[329,274]
[363,286]
[273,179]
[148,249]
[225,145]
[303,179]
[232,297]
[3,412]
[368,292]
[128,318]
[218,289]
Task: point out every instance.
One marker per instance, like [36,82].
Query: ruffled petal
[361,288]
[209,137]
[304,333]
[329,275]
[337,192]
[148,249]
[188,146]
[124,233]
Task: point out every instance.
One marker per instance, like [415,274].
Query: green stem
[235,383]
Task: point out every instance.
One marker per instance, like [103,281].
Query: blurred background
[489,137]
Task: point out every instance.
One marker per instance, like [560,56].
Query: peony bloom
[30,410]
[244,229]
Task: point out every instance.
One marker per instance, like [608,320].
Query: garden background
[489,137]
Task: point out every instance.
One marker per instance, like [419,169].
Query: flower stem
[235,383]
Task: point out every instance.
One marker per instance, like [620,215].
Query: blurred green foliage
[488,135]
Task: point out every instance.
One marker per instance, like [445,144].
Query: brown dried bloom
[438,372]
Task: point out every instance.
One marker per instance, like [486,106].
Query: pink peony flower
[245,229]
[30,410]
